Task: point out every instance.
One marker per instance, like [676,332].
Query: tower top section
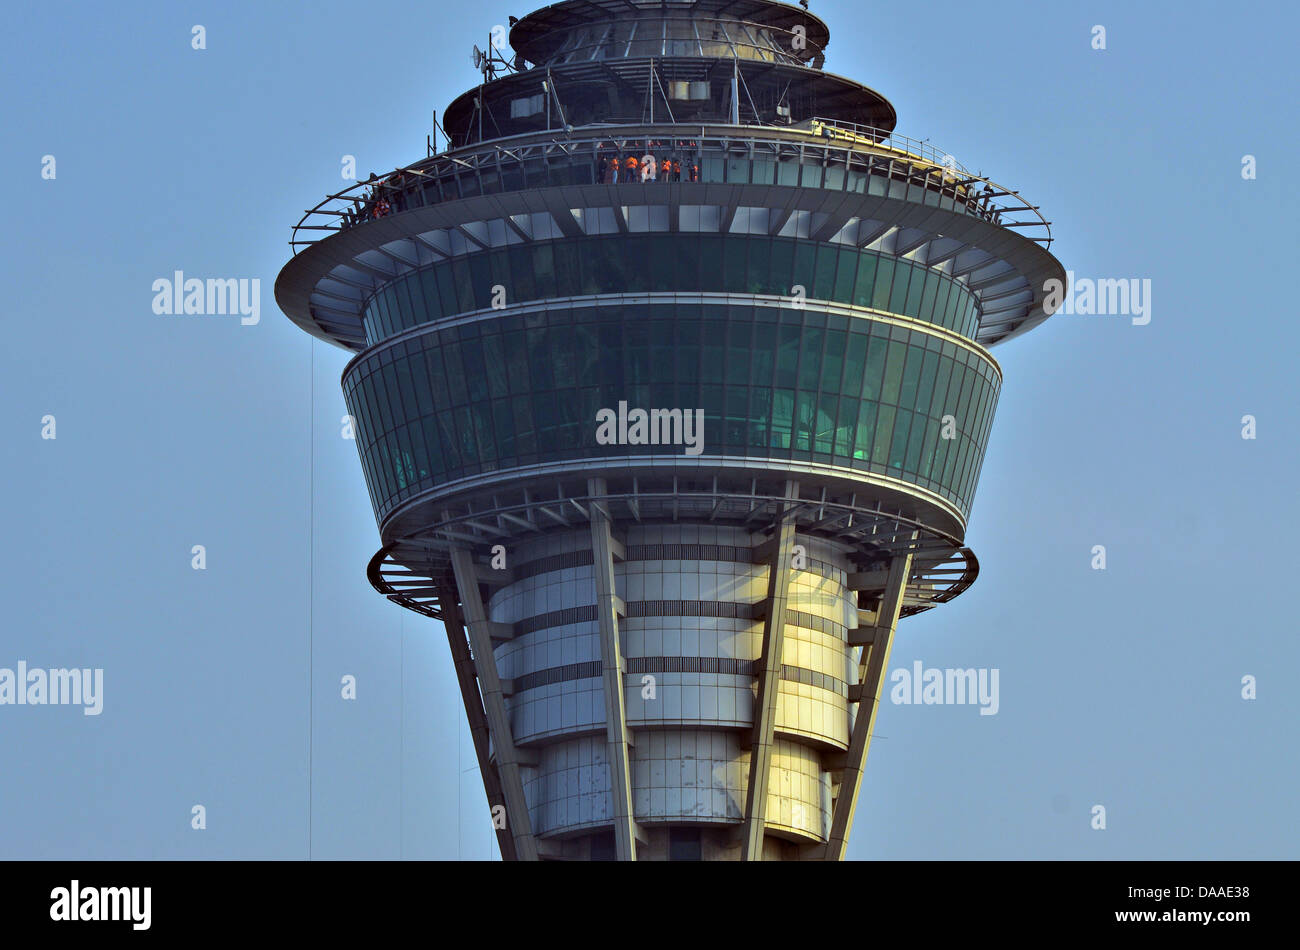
[585,30]
[615,62]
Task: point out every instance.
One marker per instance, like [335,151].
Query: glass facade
[773,382]
[686,262]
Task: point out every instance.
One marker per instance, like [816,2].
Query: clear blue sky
[1119,688]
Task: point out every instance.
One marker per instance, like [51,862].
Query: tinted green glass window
[824,281]
[481,280]
[846,420]
[420,378]
[915,290]
[833,361]
[915,441]
[810,359]
[884,431]
[873,378]
[805,266]
[739,347]
[805,412]
[543,256]
[941,295]
[686,270]
[855,360]
[925,388]
[893,373]
[862,291]
[500,393]
[710,259]
[846,273]
[898,295]
[494,360]
[432,299]
[515,273]
[782,266]
[735,432]
[662,260]
[464,280]
[664,263]
[866,431]
[517,363]
[782,417]
[898,444]
[500,261]
[760,411]
[734,274]
[759,278]
[824,426]
[911,376]
[884,279]
[927,295]
[787,359]
[763,358]
[688,353]
[568,275]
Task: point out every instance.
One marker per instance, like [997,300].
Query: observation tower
[671,390]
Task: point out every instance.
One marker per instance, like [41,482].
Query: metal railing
[856,158]
[882,138]
[409,571]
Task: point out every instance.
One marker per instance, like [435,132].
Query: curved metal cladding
[690,627]
[671,452]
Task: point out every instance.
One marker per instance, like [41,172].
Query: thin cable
[311,596]
[401,741]
[460,820]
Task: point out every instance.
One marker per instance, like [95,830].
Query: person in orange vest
[629,168]
[611,171]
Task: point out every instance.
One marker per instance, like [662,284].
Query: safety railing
[884,138]
[814,154]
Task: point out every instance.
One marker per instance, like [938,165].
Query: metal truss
[906,568]
[405,569]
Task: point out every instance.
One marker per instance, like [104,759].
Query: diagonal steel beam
[478,725]
[616,731]
[871,677]
[485,668]
[769,681]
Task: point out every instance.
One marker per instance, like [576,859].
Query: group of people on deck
[630,168]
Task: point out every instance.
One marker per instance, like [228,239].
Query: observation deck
[872,187]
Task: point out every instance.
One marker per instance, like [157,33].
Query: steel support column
[871,677]
[478,724]
[485,668]
[769,680]
[617,737]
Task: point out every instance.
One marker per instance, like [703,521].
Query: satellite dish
[478,57]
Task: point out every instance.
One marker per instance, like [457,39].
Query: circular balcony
[879,190]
